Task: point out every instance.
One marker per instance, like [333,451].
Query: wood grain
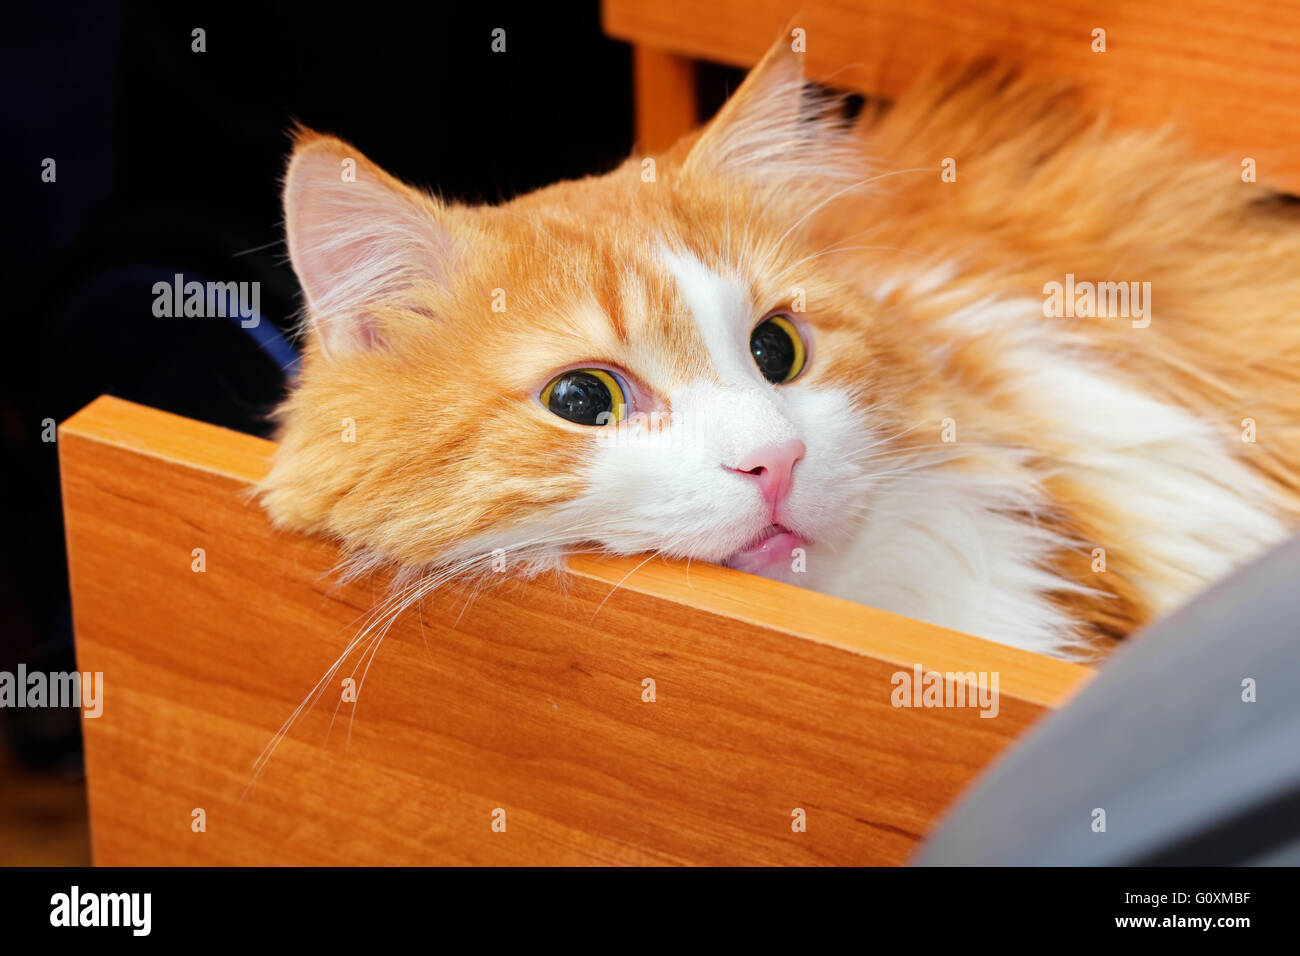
[1227,74]
[527,698]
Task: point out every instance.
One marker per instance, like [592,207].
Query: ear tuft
[777,126]
[358,239]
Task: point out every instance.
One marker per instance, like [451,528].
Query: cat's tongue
[770,550]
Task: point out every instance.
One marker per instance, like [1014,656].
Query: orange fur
[451,441]
[1045,188]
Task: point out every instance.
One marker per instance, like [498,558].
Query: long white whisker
[620,583]
[840,192]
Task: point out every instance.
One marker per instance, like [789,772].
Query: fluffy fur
[966,455]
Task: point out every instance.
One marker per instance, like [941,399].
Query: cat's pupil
[773,350]
[581,397]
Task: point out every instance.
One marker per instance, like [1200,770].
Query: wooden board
[1226,73]
[526,699]
[665,97]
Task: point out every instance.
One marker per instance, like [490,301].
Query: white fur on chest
[956,549]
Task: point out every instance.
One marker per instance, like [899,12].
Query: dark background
[169,160]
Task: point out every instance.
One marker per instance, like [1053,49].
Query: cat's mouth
[771,550]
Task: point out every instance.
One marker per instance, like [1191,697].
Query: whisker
[840,192]
[620,583]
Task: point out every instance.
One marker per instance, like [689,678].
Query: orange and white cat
[885,358]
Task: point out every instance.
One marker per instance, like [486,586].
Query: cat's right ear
[358,238]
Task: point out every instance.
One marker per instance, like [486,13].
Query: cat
[830,349]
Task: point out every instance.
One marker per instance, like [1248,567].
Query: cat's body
[948,451]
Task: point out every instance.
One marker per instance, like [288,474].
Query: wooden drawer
[526,702]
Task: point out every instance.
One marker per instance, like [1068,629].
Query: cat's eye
[586,396]
[778,349]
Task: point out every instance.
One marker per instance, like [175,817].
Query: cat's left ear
[774,126]
[358,238]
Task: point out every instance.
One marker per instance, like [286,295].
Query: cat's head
[658,359]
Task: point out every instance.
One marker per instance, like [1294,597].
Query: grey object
[1161,740]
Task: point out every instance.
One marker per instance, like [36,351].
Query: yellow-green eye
[777,349]
[586,396]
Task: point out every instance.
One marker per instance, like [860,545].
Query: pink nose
[773,467]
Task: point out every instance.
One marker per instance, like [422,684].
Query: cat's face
[652,360]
